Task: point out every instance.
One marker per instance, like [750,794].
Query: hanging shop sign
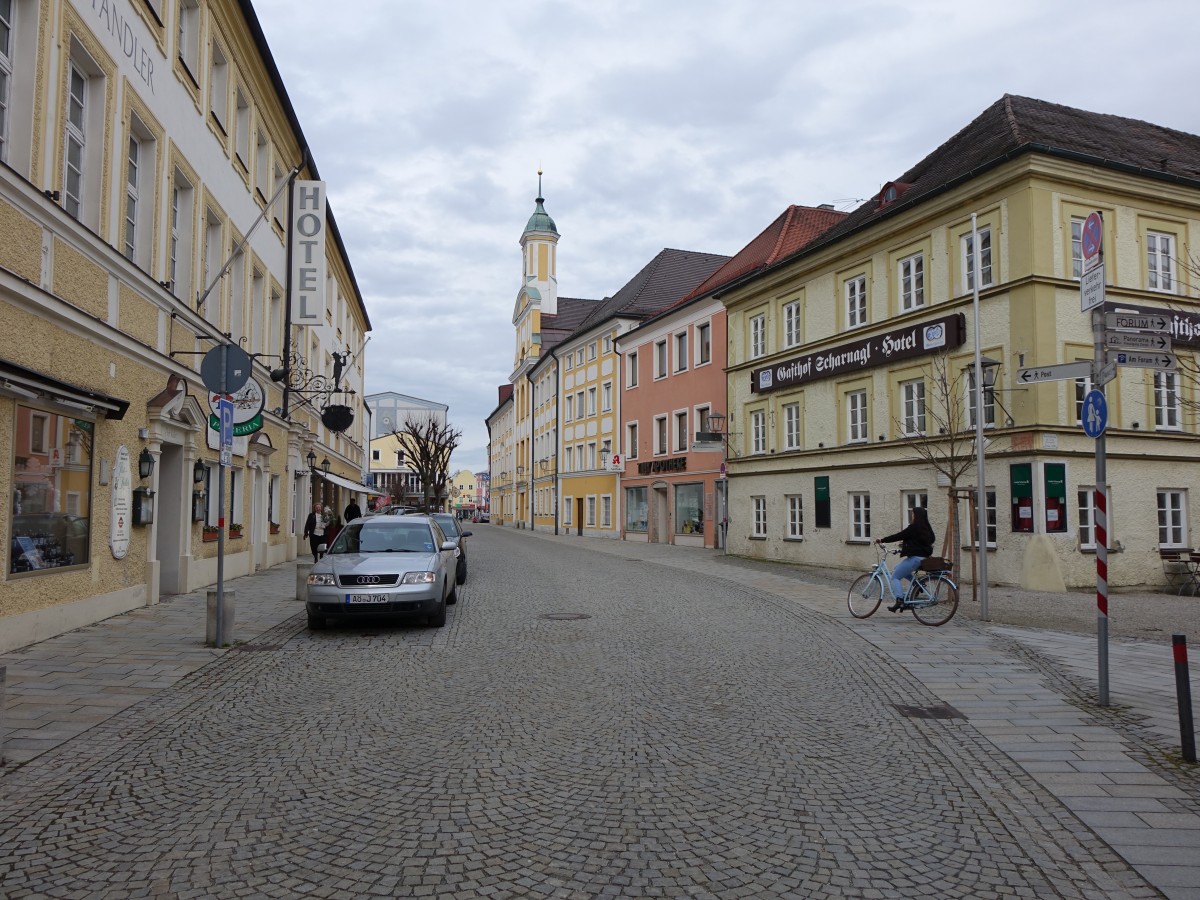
[921,339]
[307,238]
[122,504]
[248,405]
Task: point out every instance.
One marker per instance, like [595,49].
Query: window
[984,263]
[181,236]
[759,524]
[189,36]
[989,402]
[1167,407]
[912,282]
[1086,497]
[1159,261]
[275,335]
[758,336]
[860,516]
[570,410]
[631,369]
[791,324]
[758,431]
[52,493]
[568,459]
[912,395]
[606,397]
[791,426]
[856,302]
[631,440]
[660,435]
[262,165]
[591,400]
[973,537]
[579,405]
[241,129]
[607,345]
[1082,387]
[579,357]
[73,177]
[1172,518]
[795,516]
[218,87]
[1076,247]
[568,363]
[636,509]
[132,179]
[212,260]
[591,512]
[681,432]
[689,509]
[912,500]
[6,69]
[606,511]
[660,359]
[568,505]
[704,343]
[592,350]
[681,352]
[856,416]
[375,455]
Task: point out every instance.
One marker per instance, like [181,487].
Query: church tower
[539,249]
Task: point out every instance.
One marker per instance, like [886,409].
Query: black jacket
[912,543]
[352,512]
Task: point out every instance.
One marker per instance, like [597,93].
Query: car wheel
[453,598]
[461,574]
[315,622]
[438,619]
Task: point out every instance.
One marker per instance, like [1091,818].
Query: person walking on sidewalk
[314,530]
[352,512]
[916,544]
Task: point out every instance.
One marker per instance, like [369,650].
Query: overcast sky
[688,124]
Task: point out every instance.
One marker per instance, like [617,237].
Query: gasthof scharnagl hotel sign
[903,343]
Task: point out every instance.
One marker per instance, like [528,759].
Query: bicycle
[932,595]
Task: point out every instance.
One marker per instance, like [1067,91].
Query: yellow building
[855,354]
[462,487]
[501,426]
[144,214]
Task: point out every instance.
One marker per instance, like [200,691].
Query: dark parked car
[454,532]
[384,565]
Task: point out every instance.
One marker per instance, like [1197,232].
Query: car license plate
[367,598]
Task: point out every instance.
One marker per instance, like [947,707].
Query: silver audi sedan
[384,566]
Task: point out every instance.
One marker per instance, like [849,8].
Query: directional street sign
[1091,241]
[1159,324]
[1108,373]
[1095,414]
[1163,361]
[1138,340]
[1091,288]
[1060,372]
[225,412]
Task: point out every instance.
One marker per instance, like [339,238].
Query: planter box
[209,537]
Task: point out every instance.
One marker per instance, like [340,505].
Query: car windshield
[384,537]
[448,525]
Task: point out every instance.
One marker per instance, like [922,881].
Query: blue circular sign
[1095,414]
[1093,235]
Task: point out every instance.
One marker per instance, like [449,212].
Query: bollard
[210,631]
[302,570]
[3,677]
[1183,691]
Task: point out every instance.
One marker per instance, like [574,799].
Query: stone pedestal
[227,609]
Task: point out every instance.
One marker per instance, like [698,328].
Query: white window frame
[759,519]
[910,282]
[133,162]
[660,359]
[1077,247]
[857,418]
[795,517]
[859,503]
[631,440]
[681,431]
[568,506]
[1160,262]
[606,397]
[1172,509]
[1082,387]
[590,511]
[606,509]
[660,435]
[592,353]
[1168,406]
[758,336]
[909,501]
[241,126]
[75,153]
[989,400]
[631,369]
[218,85]
[972,540]
[856,301]
[792,325]
[1085,498]
[262,164]
[791,426]
[758,431]
[188,49]
[568,459]
[912,399]
[569,409]
[985,259]
[681,352]
[179,249]
[703,343]
[591,401]
[7,29]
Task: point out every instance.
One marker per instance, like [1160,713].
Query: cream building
[502,426]
[856,338]
[142,141]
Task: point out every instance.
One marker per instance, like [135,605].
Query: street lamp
[605,450]
[312,459]
[145,464]
[325,465]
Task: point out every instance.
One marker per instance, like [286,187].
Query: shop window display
[689,509]
[636,510]
[52,491]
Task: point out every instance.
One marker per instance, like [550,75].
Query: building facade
[147,150]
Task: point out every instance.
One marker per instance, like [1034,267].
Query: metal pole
[1183,693]
[981,482]
[221,513]
[1101,505]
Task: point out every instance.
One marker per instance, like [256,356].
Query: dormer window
[891,193]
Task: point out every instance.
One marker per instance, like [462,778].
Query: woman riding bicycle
[916,545]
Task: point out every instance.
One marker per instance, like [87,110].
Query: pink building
[674,388]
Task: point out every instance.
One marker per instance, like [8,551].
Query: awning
[348,484]
[17,381]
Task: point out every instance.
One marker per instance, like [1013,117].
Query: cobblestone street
[587,724]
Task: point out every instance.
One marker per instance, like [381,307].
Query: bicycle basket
[935,564]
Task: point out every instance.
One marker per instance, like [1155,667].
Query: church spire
[540,220]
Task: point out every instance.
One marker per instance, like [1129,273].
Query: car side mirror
[466,534]
[449,545]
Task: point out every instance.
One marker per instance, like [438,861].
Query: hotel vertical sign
[307,237]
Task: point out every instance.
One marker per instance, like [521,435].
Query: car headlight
[418,578]
[321,578]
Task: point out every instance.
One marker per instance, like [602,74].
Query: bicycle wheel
[865,596]
[941,605]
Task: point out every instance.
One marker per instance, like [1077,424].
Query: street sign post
[1060,372]
[1095,414]
[1164,362]
[1156,323]
[225,408]
[1091,241]
[1091,288]
[1138,340]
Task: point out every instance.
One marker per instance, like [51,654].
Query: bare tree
[947,442]
[428,445]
